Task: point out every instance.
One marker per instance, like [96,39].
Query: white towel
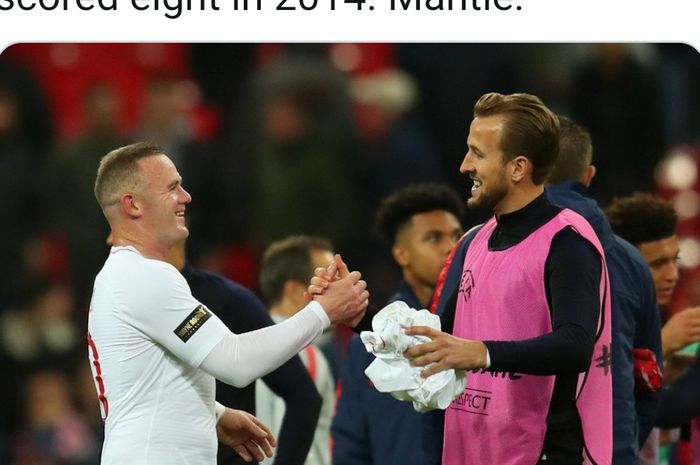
[391,371]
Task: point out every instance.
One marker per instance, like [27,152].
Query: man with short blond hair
[155,350]
[118,171]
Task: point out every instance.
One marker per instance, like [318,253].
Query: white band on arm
[219,410]
[240,359]
[488,359]
[320,313]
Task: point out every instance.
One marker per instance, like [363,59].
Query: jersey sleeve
[161,306]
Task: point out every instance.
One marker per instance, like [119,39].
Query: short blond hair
[118,171]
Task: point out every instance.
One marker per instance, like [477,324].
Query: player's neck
[518,197]
[145,247]
[422,291]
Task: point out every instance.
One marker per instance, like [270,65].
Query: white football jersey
[147,336]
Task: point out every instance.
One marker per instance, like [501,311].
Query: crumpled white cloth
[391,372]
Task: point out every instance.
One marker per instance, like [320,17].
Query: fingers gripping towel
[391,372]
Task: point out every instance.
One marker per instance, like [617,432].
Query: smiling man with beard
[525,306]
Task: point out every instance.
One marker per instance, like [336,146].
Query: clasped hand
[342,293]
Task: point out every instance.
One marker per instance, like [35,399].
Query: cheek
[432,257]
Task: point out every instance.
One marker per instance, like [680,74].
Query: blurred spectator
[287,267]
[300,149]
[31,122]
[87,404]
[69,177]
[619,100]
[450,78]
[165,112]
[24,136]
[36,333]
[54,433]
[221,71]
[394,148]
[680,75]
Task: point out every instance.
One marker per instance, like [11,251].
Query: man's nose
[187,198]
[467,166]
[673,274]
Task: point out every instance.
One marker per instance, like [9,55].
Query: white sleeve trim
[239,359]
[320,313]
[219,411]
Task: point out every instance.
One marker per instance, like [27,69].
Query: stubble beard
[488,199]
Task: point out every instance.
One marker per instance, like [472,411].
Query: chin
[479,205]
[473,202]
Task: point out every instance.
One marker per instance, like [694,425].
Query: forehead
[663,248]
[158,169]
[486,129]
[441,220]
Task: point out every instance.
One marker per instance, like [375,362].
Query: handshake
[342,293]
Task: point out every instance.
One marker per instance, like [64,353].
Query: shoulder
[571,228]
[570,248]
[469,236]
[143,279]
[128,267]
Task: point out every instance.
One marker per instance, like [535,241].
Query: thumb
[343,270]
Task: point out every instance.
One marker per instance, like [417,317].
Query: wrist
[487,357]
[219,411]
[317,308]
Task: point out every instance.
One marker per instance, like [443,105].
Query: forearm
[231,360]
[566,350]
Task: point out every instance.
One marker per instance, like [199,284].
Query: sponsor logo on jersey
[473,401]
[192,323]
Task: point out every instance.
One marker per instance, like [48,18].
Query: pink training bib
[500,418]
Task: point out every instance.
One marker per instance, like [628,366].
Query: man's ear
[130,205]
[520,167]
[400,254]
[590,174]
